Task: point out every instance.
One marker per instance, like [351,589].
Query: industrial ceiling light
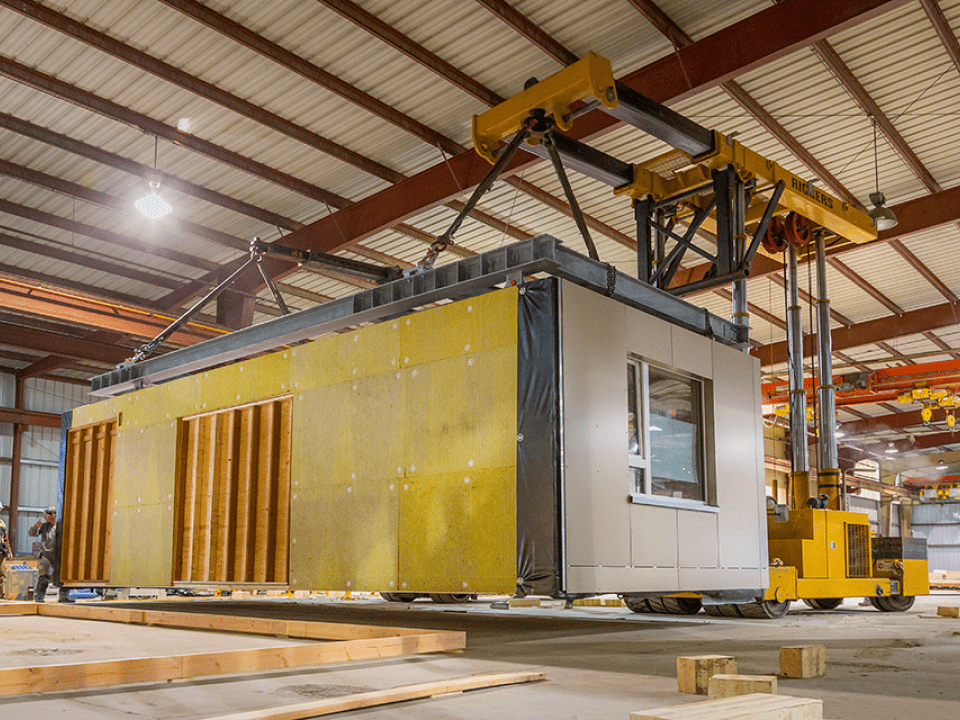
[883,217]
[941,465]
[891,449]
[152,205]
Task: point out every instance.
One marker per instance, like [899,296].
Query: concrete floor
[600,663]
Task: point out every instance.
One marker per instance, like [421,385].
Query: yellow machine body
[829,554]
[798,195]
[591,76]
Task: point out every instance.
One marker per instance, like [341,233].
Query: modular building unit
[539,437]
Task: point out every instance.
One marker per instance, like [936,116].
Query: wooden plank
[95,571]
[265,478]
[86,482]
[13,607]
[75,676]
[281,512]
[108,505]
[760,706]
[224,519]
[204,526]
[71,510]
[385,697]
[243,556]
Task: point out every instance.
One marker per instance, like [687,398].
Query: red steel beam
[108,236]
[893,421]
[920,442]
[680,39]
[871,331]
[761,38]
[75,309]
[259,44]
[853,277]
[832,60]
[108,108]
[144,172]
[103,199]
[33,276]
[191,83]
[53,250]
[530,30]
[413,50]
[944,31]
[29,417]
[65,345]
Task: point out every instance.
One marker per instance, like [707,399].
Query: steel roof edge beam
[465,278]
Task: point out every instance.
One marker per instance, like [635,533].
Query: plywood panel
[88,503]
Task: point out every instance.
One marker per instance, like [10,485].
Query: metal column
[740,315]
[800,465]
[828,476]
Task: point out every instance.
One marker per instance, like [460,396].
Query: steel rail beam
[63,345]
[77,310]
[108,108]
[530,30]
[56,251]
[890,327]
[542,254]
[881,423]
[761,38]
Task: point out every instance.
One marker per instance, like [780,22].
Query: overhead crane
[711,182]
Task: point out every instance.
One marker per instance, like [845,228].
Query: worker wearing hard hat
[5,554]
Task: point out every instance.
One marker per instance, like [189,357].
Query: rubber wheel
[450,598]
[399,597]
[824,603]
[892,603]
[664,605]
[764,610]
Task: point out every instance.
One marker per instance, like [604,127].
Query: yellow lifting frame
[591,76]
[798,195]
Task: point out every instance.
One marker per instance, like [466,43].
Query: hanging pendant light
[883,217]
[152,205]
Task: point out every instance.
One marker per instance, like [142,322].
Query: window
[665,434]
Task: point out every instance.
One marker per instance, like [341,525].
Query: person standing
[48,530]
[5,555]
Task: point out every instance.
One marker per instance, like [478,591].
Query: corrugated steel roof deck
[897,57]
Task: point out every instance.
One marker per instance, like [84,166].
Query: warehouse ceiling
[346,127]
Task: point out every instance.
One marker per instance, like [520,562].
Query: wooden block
[726,686]
[803,661]
[744,707]
[524,602]
[613,602]
[694,672]
[948,611]
[588,602]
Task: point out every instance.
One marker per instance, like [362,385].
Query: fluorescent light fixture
[883,217]
[654,428]
[152,205]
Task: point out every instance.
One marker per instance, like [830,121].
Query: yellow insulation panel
[422,401]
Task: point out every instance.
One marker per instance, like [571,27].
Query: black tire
[764,610]
[399,597]
[664,605]
[450,598]
[892,603]
[824,603]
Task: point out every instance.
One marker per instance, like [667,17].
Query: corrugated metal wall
[40,450]
[939,523]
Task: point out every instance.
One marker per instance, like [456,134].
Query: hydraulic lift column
[828,476]
[799,461]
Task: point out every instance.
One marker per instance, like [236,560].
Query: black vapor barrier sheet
[538,448]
